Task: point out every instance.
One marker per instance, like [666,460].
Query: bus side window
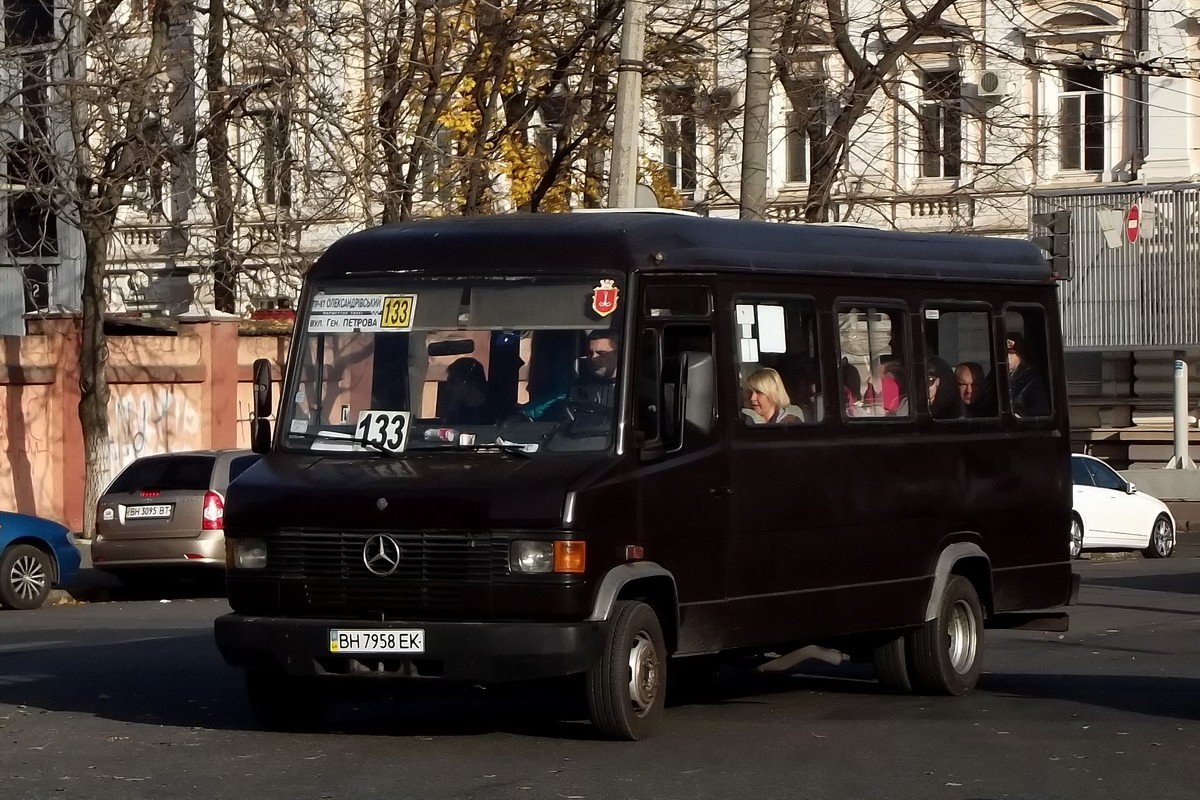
[649,387]
[874,362]
[1025,349]
[676,340]
[778,361]
[960,367]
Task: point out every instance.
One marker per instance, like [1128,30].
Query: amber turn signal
[570,556]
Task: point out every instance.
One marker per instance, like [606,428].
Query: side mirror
[698,399]
[1131,488]
[260,426]
[263,403]
[260,436]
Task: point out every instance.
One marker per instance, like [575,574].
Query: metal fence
[1139,295]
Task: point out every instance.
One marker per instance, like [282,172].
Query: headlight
[541,557]
[246,553]
[532,556]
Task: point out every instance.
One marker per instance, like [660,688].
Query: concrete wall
[168,393]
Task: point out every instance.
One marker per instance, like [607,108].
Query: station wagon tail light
[145,493]
[214,512]
[542,557]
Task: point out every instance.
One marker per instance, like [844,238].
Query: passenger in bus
[767,401]
[851,388]
[968,377]
[1026,385]
[941,394]
[462,397]
[884,393]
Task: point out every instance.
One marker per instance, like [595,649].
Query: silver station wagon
[167,512]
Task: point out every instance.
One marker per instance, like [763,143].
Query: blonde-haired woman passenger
[768,401]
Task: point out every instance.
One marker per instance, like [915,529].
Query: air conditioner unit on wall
[993,83]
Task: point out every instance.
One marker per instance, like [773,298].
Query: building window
[941,124]
[28,22]
[797,154]
[1081,119]
[270,155]
[679,136]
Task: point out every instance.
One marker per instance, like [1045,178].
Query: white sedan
[1111,514]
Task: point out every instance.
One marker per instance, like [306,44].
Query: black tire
[26,577]
[1075,548]
[1162,539]
[283,702]
[626,688]
[945,654]
[891,665]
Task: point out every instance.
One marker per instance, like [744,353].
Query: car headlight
[534,557]
[246,553]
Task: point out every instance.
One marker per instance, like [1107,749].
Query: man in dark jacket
[598,382]
[595,386]
[1027,386]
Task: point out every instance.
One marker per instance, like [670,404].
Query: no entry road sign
[1133,223]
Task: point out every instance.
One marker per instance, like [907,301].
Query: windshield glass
[518,364]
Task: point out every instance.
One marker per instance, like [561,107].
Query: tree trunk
[93,384]
[224,266]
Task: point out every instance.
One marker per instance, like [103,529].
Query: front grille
[439,572]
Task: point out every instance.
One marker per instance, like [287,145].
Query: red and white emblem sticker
[604,297]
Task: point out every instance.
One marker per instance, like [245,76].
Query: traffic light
[1058,243]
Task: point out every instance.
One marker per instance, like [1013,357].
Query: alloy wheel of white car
[1162,539]
[1076,537]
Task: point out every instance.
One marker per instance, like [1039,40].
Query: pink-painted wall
[168,393]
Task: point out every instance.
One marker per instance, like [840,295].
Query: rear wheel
[1162,539]
[26,575]
[282,702]
[626,688]
[1076,537]
[944,654]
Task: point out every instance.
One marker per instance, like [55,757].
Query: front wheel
[626,688]
[1076,537]
[26,575]
[1162,539]
[944,654]
[282,702]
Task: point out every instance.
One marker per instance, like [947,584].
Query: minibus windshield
[517,365]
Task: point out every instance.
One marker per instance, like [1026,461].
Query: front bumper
[475,652]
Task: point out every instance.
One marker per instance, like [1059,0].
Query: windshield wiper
[512,448]
[338,436]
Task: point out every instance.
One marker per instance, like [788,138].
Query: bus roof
[675,242]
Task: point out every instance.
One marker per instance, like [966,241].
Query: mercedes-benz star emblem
[381,555]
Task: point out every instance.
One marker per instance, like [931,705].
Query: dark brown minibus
[608,444]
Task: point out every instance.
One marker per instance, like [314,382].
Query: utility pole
[757,112]
[622,173]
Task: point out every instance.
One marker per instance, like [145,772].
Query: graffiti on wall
[150,419]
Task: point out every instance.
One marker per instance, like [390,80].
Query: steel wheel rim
[1076,538]
[27,577]
[962,636]
[1163,537]
[644,673]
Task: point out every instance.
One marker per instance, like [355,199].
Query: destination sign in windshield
[373,313]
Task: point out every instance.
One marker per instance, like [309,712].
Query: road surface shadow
[1176,698]
[1176,583]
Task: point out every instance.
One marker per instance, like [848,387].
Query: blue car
[35,555]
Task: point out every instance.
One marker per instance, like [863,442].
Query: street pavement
[132,700]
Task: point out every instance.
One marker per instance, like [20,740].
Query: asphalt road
[131,700]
